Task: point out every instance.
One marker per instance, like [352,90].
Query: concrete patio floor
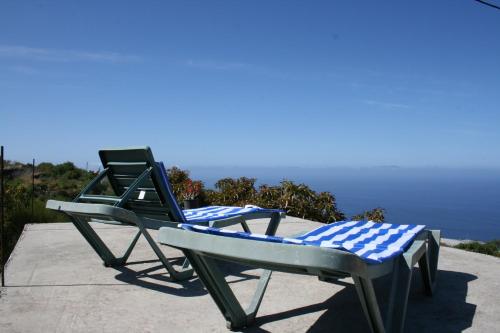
[56,283]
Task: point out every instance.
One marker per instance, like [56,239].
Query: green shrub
[375,215]
[63,181]
[178,180]
[18,215]
[233,192]
[296,199]
[491,248]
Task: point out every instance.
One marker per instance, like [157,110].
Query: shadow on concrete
[65,285]
[446,311]
[156,278]
[237,270]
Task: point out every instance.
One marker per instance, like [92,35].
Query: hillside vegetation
[491,248]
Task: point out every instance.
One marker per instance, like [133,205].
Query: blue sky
[255,83]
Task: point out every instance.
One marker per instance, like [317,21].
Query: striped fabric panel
[205,214]
[373,242]
[239,234]
[174,206]
[213,213]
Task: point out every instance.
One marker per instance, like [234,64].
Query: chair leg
[433,250]
[428,262]
[209,273]
[423,264]
[94,240]
[258,296]
[123,259]
[177,275]
[214,281]
[271,227]
[109,259]
[368,300]
[186,263]
[273,224]
[400,289]
[245,227]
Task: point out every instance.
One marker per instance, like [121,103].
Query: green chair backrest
[139,184]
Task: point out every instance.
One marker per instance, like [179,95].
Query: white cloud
[59,55]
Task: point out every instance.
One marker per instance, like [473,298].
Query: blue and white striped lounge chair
[141,186]
[361,250]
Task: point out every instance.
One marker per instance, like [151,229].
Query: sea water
[463,204]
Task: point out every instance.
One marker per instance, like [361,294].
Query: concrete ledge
[56,283]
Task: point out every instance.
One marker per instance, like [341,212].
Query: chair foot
[181,275]
[116,262]
[231,327]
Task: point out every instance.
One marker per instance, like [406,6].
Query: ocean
[463,204]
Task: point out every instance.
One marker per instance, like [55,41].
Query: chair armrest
[90,210]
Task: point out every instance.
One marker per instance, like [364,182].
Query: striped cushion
[373,242]
[213,213]
[205,214]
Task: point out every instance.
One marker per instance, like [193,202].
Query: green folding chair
[205,247]
[141,186]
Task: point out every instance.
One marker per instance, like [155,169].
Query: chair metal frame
[131,171]
[205,250]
